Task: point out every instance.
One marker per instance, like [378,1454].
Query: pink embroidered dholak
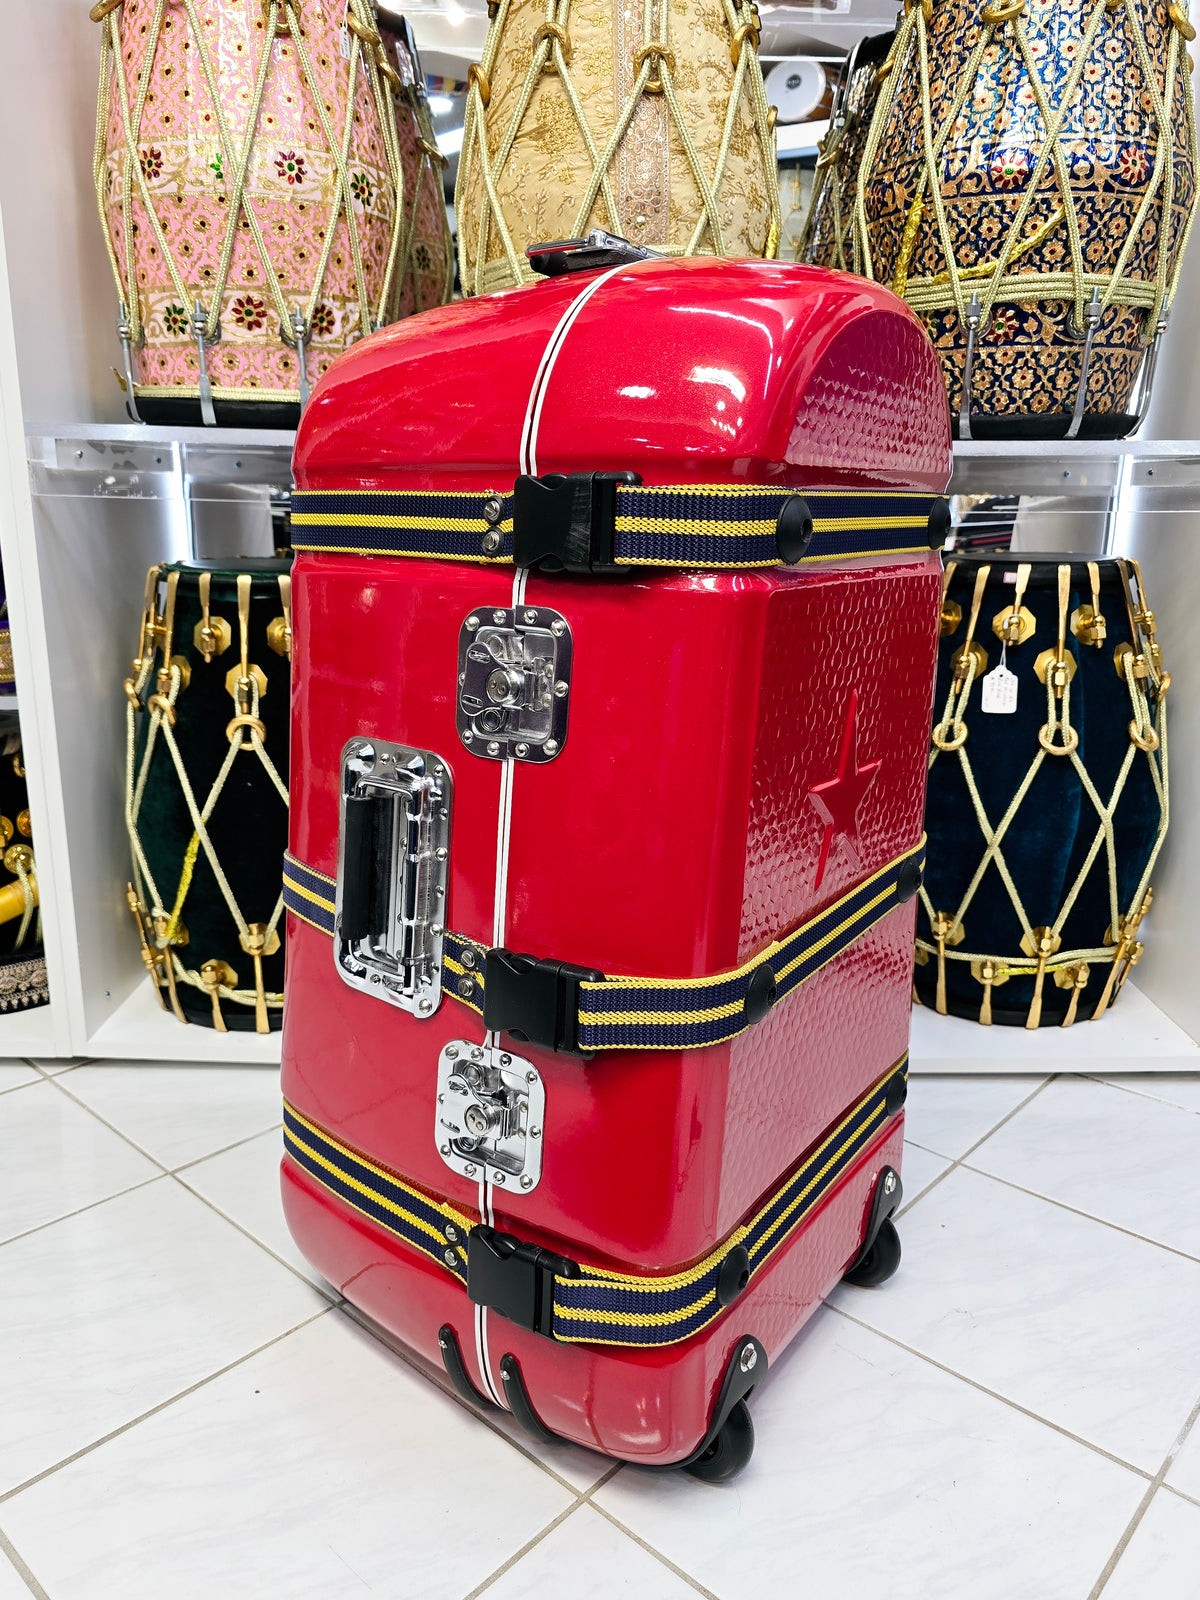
[250,180]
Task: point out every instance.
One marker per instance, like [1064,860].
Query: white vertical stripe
[528,463]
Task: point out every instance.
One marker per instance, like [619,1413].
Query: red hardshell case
[673,836]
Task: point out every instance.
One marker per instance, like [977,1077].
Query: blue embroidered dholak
[1046,812]
[1028,185]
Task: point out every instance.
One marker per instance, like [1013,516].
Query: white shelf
[1135,1036]
[8,702]
[140,1030]
[27,1033]
[798,138]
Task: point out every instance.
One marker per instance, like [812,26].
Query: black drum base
[1049,425]
[197,1008]
[168,411]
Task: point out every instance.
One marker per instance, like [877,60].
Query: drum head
[796,87]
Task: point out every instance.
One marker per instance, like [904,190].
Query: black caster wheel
[729,1452]
[879,1261]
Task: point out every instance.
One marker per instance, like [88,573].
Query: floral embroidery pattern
[175,320]
[1009,168]
[290,166]
[152,164]
[1132,163]
[323,321]
[362,189]
[249,312]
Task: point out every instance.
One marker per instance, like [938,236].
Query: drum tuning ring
[552,30]
[955,741]
[1070,740]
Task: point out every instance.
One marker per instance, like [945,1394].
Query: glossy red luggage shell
[672,836]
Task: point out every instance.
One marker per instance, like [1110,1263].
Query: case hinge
[514,1278]
[567,521]
[535,1001]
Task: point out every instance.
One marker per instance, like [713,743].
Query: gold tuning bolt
[1016,622]
[215,976]
[1042,943]
[1087,621]
[18,858]
[241,681]
[279,629]
[259,941]
[945,931]
[989,973]
[6,831]
[1074,978]
[165,944]
[212,636]
[150,957]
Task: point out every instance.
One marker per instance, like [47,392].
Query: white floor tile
[919,1169]
[12,1585]
[55,1157]
[322,1468]
[948,1115]
[579,1467]
[1122,1157]
[1162,1560]
[15,1074]
[180,1113]
[1176,1088]
[1092,1329]
[602,1563]
[112,1311]
[244,1184]
[876,1474]
[1184,1473]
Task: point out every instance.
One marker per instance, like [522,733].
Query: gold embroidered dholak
[644,117]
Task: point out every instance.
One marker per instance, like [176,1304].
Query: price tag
[344,37]
[998,690]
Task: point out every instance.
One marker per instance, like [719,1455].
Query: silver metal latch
[490,1107]
[514,683]
[393,865]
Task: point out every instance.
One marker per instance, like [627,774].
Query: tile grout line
[20,1567]
[430,1374]
[1142,1094]
[335,1297]
[1074,1211]
[657,1554]
[79,1211]
[581,1499]
[993,1394]
[104,1122]
[1181,1494]
[163,1405]
[956,1161]
[1156,1483]
[249,1138]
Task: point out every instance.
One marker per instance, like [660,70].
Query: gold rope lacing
[655,74]
[1139,666]
[245,732]
[281,16]
[945,290]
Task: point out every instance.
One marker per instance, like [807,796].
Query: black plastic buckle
[535,1001]
[567,521]
[514,1278]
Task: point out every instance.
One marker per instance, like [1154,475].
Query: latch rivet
[476,1054]
[527,1182]
[470,1172]
[748,1359]
[530,616]
[522,749]
[506,1061]
[558,628]
[425,1005]
[531,1077]
[497,1177]
[451,1052]
[493,748]
[551,747]
[467,736]
[441,853]
[445,1149]
[497,616]
[889,1183]
[560,689]
[472,623]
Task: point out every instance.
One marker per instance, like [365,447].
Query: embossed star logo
[839,799]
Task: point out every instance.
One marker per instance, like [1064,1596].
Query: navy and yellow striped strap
[671,525]
[599,1306]
[620,1013]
